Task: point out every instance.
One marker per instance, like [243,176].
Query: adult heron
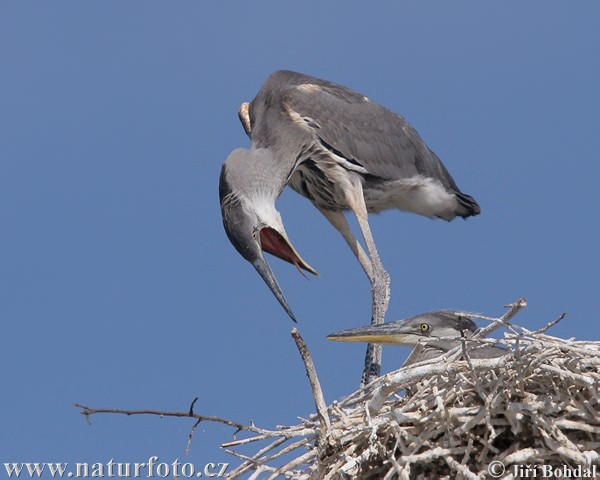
[438,331]
[343,152]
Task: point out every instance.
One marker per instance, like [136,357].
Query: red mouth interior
[272,242]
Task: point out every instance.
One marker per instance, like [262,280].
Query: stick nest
[449,418]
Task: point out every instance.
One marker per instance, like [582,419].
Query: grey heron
[343,152]
[439,331]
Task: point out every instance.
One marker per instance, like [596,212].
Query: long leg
[380,284]
[339,221]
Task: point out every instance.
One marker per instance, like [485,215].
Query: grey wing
[364,132]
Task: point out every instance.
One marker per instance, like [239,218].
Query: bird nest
[451,417]
[534,412]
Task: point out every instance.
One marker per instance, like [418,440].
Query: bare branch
[515,308]
[316,389]
[286,433]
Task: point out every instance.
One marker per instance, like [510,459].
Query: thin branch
[89,411]
[515,308]
[191,412]
[190,436]
[316,389]
[548,326]
[244,441]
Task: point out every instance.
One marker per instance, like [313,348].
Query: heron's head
[434,327]
[248,189]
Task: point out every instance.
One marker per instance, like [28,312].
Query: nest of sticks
[451,417]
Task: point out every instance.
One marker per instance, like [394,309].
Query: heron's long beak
[278,244]
[385,334]
[263,268]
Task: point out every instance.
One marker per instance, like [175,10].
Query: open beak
[278,244]
[391,333]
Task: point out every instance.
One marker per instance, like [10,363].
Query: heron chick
[439,331]
[342,151]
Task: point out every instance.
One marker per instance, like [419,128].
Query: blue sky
[118,286]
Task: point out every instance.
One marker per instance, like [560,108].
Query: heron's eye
[424,327]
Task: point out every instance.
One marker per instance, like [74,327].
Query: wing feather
[364,132]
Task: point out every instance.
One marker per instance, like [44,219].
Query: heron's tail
[467,206]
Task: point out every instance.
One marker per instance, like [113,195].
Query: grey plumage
[327,125]
[343,152]
[438,331]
